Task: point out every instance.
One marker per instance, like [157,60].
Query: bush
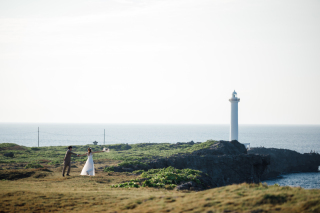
[35,148]
[203,145]
[138,171]
[118,147]
[5,145]
[167,178]
[81,159]
[55,162]
[109,169]
[130,184]
[33,165]
[131,163]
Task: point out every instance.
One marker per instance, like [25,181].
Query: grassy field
[43,189]
[121,152]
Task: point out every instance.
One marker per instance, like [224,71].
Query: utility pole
[104,139]
[38,136]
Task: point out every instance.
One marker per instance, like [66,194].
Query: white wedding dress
[88,168]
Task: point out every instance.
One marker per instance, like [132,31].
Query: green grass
[33,165]
[126,163]
[109,169]
[52,193]
[25,188]
[129,154]
[6,145]
[167,178]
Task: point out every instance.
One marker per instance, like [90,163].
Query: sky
[159,61]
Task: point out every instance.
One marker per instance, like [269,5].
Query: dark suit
[67,161]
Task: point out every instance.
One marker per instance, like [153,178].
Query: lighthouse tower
[234,116]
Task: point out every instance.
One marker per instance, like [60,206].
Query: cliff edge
[224,163]
[284,161]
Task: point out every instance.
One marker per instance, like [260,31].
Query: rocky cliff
[287,161]
[227,163]
[221,169]
[223,148]
[224,163]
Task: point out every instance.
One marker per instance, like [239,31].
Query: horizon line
[303,124]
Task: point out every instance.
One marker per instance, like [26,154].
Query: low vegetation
[51,193]
[33,165]
[109,169]
[127,163]
[31,181]
[133,154]
[167,178]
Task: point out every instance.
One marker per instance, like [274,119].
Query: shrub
[118,147]
[54,162]
[3,145]
[138,171]
[130,184]
[203,145]
[33,165]
[127,163]
[109,169]
[81,159]
[35,148]
[167,178]
[170,176]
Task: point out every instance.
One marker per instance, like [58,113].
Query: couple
[88,168]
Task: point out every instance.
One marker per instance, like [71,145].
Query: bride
[88,168]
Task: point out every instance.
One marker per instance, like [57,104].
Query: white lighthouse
[234,116]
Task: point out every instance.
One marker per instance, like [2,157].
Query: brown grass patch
[50,193]
[13,148]
[15,174]
[23,173]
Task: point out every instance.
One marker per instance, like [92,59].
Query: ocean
[301,138]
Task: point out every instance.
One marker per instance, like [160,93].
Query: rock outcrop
[227,163]
[223,163]
[223,148]
[222,169]
[284,161]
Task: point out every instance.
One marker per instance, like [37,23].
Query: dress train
[88,168]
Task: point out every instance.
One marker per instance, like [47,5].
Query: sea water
[300,138]
[310,180]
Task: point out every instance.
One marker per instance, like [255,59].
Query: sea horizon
[81,123]
[300,138]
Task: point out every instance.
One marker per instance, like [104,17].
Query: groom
[67,160]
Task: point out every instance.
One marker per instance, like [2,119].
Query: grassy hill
[40,187]
[121,152]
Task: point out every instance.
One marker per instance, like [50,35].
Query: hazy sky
[160,61]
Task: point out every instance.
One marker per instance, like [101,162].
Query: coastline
[31,181]
[295,137]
